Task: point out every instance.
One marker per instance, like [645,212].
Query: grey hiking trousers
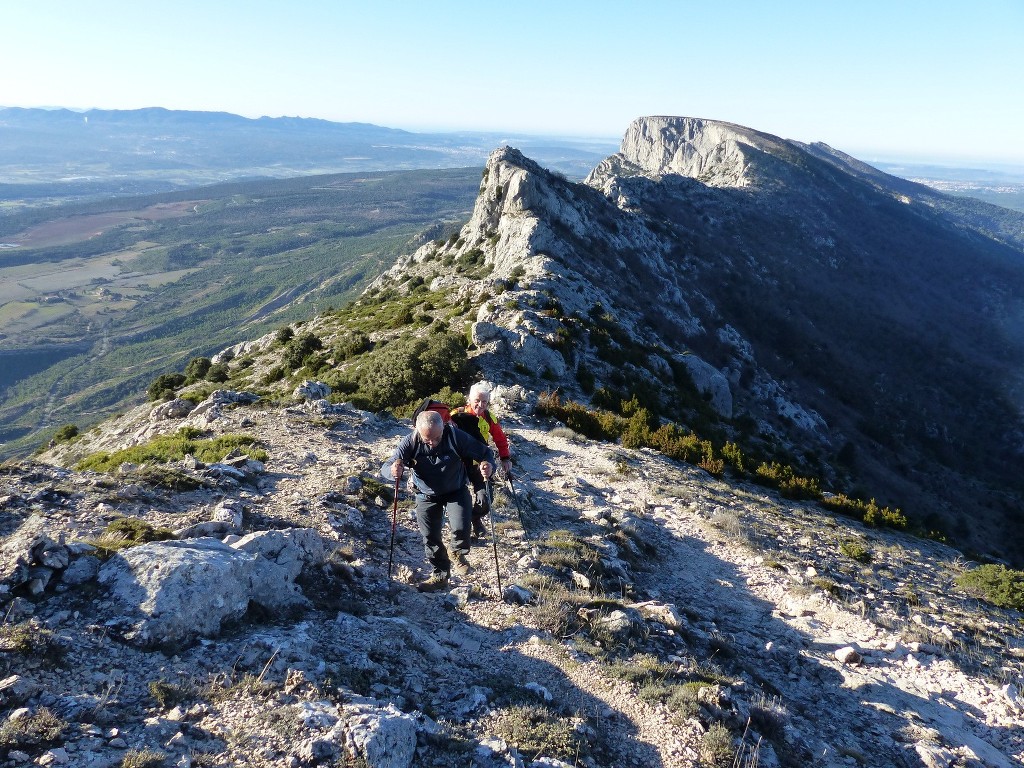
[430,514]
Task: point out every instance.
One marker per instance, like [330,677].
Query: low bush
[197,368]
[38,729]
[790,484]
[168,695]
[165,448]
[716,746]
[409,368]
[537,731]
[165,386]
[855,550]
[995,584]
[867,511]
[32,640]
[126,532]
[143,758]
[65,433]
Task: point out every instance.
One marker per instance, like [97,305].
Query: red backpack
[434,405]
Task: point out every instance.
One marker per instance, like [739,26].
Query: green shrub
[168,695]
[855,550]
[38,729]
[536,731]
[869,512]
[351,344]
[126,532]
[768,716]
[274,374]
[218,373]
[790,484]
[716,746]
[410,368]
[143,758]
[65,432]
[597,425]
[284,334]
[299,349]
[733,456]
[403,318]
[995,584]
[197,368]
[165,385]
[165,448]
[32,640]
[167,478]
[137,531]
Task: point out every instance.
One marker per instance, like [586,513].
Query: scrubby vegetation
[996,584]
[636,427]
[185,442]
[126,532]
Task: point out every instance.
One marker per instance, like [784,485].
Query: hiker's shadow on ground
[729,627]
[432,657]
[797,675]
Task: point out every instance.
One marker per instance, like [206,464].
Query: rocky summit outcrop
[708,150]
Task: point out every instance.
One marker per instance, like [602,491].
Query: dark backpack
[468,422]
[433,405]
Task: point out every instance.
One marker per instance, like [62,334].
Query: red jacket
[484,425]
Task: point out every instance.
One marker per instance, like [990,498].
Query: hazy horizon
[912,80]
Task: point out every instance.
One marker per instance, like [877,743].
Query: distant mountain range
[156,149]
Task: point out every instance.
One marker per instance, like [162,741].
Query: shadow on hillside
[792,671]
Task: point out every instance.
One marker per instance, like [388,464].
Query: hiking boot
[479,532]
[437,580]
[460,564]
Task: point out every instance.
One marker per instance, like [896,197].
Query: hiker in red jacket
[476,419]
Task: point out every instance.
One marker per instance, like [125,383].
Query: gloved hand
[481,503]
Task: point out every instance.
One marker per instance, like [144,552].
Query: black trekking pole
[394,525]
[515,498]
[494,536]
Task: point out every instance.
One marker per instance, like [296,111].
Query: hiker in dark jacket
[435,452]
[475,418]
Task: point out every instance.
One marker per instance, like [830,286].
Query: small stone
[848,655]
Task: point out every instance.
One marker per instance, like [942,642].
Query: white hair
[480,388]
[429,420]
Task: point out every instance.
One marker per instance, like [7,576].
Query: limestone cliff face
[714,152]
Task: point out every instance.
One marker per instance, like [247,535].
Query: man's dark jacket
[438,471]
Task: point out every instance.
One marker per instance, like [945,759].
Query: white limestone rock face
[713,152]
[178,408]
[311,390]
[384,736]
[380,737]
[709,381]
[521,345]
[171,592]
[245,348]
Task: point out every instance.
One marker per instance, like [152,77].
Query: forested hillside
[98,298]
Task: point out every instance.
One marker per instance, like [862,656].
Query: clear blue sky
[880,79]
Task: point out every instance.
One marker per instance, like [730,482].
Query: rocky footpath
[260,627]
